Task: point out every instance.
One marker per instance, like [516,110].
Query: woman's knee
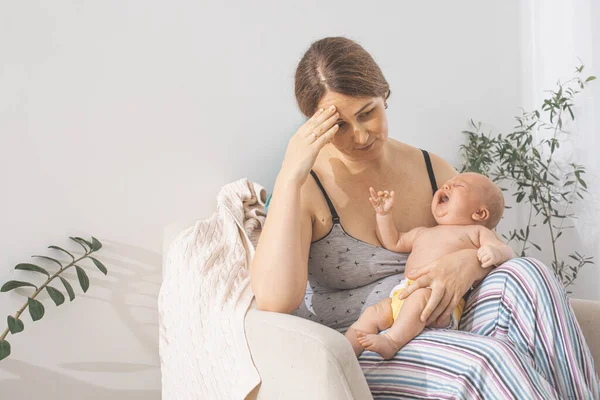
[530,271]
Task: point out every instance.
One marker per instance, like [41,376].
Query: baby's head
[468,199]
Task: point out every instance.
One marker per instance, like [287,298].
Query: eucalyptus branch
[36,309]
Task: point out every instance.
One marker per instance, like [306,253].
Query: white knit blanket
[204,297]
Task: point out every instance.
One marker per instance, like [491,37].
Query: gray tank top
[346,275]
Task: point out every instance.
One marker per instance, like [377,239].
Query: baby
[466,208]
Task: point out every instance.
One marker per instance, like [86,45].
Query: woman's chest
[412,208]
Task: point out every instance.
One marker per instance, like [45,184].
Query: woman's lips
[367,147]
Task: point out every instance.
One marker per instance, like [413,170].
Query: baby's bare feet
[380,344]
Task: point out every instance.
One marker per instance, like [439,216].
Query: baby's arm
[492,251]
[391,239]
[386,230]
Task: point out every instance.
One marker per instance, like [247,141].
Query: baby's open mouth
[444,198]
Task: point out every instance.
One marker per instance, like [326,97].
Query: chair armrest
[300,359]
[588,316]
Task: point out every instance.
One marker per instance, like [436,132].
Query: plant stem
[558,119]
[529,219]
[18,314]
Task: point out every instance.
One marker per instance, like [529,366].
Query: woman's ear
[481,215]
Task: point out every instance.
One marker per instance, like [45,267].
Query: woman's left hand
[449,278]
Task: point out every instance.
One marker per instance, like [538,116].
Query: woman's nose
[361,136]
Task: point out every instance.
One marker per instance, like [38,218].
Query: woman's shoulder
[442,169]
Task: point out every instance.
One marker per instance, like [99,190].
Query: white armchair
[300,359]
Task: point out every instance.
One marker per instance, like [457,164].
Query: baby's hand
[489,255]
[382,201]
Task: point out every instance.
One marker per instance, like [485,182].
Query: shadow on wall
[54,385]
[134,292]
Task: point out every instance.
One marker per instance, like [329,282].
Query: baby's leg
[407,325]
[375,319]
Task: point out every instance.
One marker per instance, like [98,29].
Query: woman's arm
[279,269]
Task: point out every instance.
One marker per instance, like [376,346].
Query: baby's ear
[481,215]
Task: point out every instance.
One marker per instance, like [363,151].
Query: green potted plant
[529,168]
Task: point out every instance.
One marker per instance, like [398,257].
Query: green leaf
[589,79]
[36,309]
[69,288]
[63,250]
[50,259]
[100,266]
[4,349]
[86,242]
[81,242]
[56,295]
[84,281]
[96,245]
[33,268]
[10,285]
[15,325]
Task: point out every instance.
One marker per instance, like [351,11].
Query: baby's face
[459,199]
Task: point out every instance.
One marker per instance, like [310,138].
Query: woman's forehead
[343,102]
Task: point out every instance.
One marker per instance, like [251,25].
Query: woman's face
[363,125]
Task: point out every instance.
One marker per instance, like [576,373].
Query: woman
[318,255]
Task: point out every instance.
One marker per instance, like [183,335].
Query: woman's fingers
[440,308]
[322,123]
[327,136]
[415,275]
[308,127]
[437,295]
[449,310]
[325,127]
[321,115]
[419,283]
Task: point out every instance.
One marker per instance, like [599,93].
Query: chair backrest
[588,316]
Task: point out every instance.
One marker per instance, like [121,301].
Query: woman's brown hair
[340,65]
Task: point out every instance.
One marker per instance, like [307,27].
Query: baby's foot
[380,344]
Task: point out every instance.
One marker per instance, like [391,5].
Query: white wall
[118,117]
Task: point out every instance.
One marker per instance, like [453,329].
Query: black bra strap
[430,171]
[334,214]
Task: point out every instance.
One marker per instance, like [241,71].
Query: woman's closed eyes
[363,115]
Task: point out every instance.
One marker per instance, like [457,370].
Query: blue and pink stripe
[518,339]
